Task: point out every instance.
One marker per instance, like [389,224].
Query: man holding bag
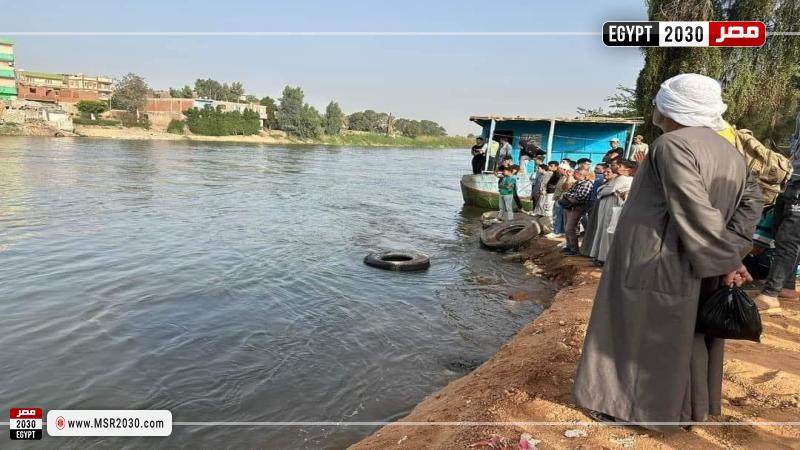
[687,224]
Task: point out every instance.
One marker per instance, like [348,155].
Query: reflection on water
[226,282]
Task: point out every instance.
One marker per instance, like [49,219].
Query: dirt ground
[142,134]
[530,377]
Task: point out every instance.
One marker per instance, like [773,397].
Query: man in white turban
[684,229]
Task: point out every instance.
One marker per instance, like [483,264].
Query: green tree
[272,109]
[334,119]
[310,125]
[130,94]
[215,122]
[92,107]
[184,92]
[622,104]
[290,111]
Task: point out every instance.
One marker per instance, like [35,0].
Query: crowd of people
[570,197]
[671,224]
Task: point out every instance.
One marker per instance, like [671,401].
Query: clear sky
[445,79]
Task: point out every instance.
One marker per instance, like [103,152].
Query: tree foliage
[376,122]
[296,117]
[334,119]
[130,93]
[92,107]
[272,110]
[759,84]
[215,90]
[184,92]
[215,122]
[621,104]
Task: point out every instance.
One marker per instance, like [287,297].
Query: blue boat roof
[481,120]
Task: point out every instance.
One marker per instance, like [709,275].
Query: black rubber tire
[510,235]
[403,261]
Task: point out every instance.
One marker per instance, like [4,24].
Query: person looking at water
[782,277]
[504,152]
[614,153]
[686,225]
[590,224]
[493,147]
[574,203]
[507,188]
[478,156]
[586,164]
[540,206]
[639,149]
[565,182]
[611,195]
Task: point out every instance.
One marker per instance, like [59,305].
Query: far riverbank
[350,139]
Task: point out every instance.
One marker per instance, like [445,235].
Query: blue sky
[445,79]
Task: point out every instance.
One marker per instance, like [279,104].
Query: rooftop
[613,120]
[45,75]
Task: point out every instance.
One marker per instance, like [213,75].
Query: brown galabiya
[688,220]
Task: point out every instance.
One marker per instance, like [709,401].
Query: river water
[226,283]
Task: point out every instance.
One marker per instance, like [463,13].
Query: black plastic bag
[729,314]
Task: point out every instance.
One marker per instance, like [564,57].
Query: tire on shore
[510,235]
[488,217]
[402,261]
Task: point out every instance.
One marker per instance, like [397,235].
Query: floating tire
[403,261]
[510,235]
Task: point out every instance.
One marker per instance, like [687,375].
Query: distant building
[8,83]
[58,87]
[161,93]
[101,85]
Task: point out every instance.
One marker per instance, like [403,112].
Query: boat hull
[481,191]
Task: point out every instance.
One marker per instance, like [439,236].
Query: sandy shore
[142,134]
[530,377]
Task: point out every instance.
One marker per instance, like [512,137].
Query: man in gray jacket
[781,280]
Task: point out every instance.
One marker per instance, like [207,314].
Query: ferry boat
[559,138]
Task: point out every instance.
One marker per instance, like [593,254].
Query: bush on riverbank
[103,122]
[214,122]
[176,126]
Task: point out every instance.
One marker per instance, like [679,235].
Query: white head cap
[565,166]
[692,100]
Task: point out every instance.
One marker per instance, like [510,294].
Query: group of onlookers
[573,194]
[569,195]
[688,221]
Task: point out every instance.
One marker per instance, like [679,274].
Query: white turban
[692,100]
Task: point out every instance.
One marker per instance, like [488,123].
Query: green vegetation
[176,126]
[621,104]
[184,92]
[334,119]
[131,94]
[296,117]
[382,140]
[213,89]
[761,85]
[272,110]
[92,107]
[103,122]
[379,122]
[214,122]
[133,122]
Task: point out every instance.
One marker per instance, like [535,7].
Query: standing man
[639,149]
[478,156]
[614,153]
[687,224]
[503,153]
[782,273]
[574,202]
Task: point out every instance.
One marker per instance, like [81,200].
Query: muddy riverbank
[530,377]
